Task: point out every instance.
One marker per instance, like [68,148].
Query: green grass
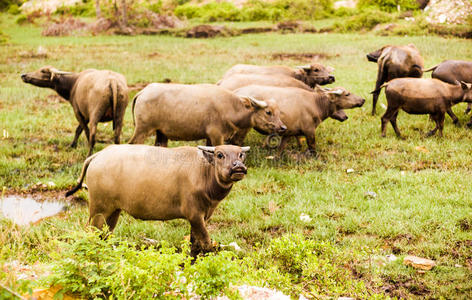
[423,205]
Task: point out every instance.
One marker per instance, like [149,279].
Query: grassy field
[423,205]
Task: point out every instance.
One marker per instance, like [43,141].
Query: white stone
[305,218]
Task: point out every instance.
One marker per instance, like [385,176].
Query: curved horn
[255,102]
[260,103]
[56,71]
[245,149]
[336,92]
[206,148]
[304,67]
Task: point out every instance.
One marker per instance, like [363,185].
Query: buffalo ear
[466,86]
[208,153]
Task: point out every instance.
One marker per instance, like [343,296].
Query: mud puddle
[26,210]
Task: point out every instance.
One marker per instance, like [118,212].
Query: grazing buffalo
[237,81]
[311,75]
[156,183]
[452,71]
[395,62]
[302,111]
[95,95]
[200,111]
[422,96]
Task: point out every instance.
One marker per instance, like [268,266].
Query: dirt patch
[63,27]
[301,56]
[208,31]
[141,85]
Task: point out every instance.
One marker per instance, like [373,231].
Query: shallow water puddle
[25,210]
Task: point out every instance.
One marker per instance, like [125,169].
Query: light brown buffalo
[395,62]
[302,111]
[422,96]
[453,71]
[156,183]
[311,75]
[237,81]
[200,111]
[95,95]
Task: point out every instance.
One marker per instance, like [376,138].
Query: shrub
[389,5]
[257,10]
[92,267]
[211,12]
[5,4]
[14,9]
[84,9]
[364,21]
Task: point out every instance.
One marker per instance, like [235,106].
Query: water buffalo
[422,96]
[311,75]
[200,111]
[237,81]
[302,111]
[395,62]
[156,183]
[452,71]
[95,95]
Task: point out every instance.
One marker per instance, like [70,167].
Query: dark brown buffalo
[395,62]
[95,95]
[422,96]
[453,71]
[157,183]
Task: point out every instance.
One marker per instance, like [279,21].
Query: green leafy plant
[389,5]
[364,21]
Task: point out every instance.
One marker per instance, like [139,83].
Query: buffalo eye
[269,113]
[241,155]
[316,70]
[348,94]
[220,155]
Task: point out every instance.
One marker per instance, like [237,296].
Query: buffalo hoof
[469,124]
[430,133]
[467,110]
[73,145]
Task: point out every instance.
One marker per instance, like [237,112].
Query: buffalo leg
[380,80]
[388,115]
[93,133]
[283,143]
[439,120]
[78,131]
[311,142]
[113,219]
[238,138]
[118,122]
[451,114]
[216,138]
[393,121]
[161,139]
[200,236]
[139,136]
[469,107]
[470,123]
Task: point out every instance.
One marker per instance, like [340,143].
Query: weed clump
[364,21]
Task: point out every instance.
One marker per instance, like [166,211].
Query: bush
[92,267]
[257,10]
[84,9]
[364,21]
[389,5]
[211,12]
[14,9]
[5,4]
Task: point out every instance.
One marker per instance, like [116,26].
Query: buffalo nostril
[23,76]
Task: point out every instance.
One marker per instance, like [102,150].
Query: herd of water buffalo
[160,183]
